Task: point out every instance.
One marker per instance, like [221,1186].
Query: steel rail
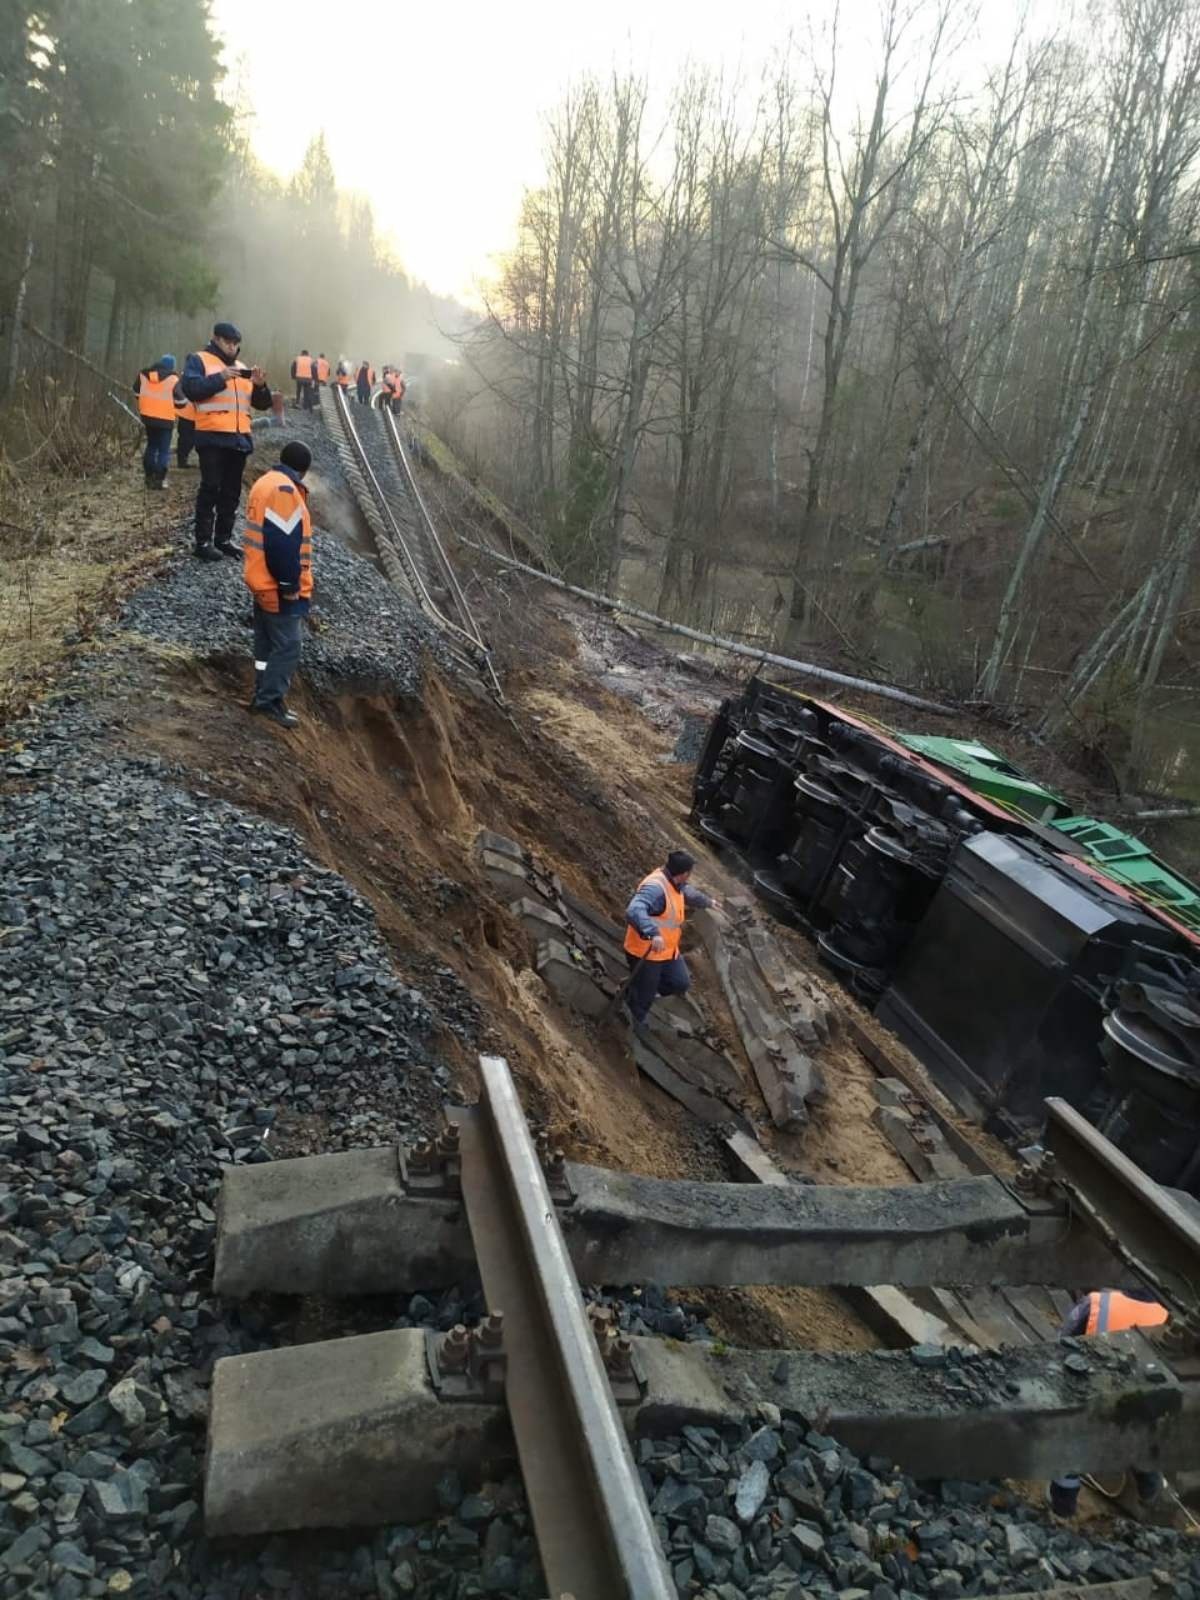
[431,534]
[469,639]
[420,592]
[594,1529]
[1142,1223]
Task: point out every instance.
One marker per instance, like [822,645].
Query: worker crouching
[277,567]
[655,918]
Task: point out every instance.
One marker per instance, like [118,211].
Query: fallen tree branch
[764,657]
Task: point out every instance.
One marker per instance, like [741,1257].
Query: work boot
[230,549]
[279,714]
[151,481]
[638,1025]
[1063,1503]
[205,552]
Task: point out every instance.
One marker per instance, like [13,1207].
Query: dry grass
[68,554]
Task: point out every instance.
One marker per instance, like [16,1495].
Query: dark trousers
[185,440]
[276,654]
[652,980]
[1064,1492]
[308,396]
[156,457]
[364,394]
[220,489]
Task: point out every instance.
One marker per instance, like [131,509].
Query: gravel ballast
[363,636]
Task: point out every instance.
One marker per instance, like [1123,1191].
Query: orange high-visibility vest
[669,924]
[304,366]
[1110,1311]
[344,379]
[156,395]
[322,369]
[370,374]
[185,409]
[227,411]
[277,501]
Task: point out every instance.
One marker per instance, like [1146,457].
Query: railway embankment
[220,944]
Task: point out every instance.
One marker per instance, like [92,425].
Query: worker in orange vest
[1109,1311]
[399,388]
[322,369]
[185,427]
[344,376]
[277,568]
[155,389]
[365,382]
[304,371]
[224,393]
[655,918]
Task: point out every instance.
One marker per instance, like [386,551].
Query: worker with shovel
[655,918]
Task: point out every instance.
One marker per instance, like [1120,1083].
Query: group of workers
[211,402]
[312,373]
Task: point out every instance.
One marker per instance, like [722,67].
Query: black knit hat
[297,455]
[679,862]
[226,330]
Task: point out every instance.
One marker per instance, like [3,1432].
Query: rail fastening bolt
[420,1156]
[491,1330]
[621,1358]
[456,1348]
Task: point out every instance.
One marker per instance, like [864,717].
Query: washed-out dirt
[392,794]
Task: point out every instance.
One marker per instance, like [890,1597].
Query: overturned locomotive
[1020,951]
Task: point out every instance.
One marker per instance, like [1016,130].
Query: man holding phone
[224,393]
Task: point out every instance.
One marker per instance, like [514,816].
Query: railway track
[406,537]
[355,1431]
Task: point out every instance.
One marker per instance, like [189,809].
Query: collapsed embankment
[225,943]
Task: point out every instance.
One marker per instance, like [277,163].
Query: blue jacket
[650,901]
[197,385]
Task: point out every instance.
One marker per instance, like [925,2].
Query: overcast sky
[434,110]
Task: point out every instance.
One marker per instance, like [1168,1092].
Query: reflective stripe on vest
[156,396]
[227,411]
[668,924]
[275,499]
[304,366]
[1110,1311]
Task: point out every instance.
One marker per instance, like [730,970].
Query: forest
[895,358]
[136,212]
